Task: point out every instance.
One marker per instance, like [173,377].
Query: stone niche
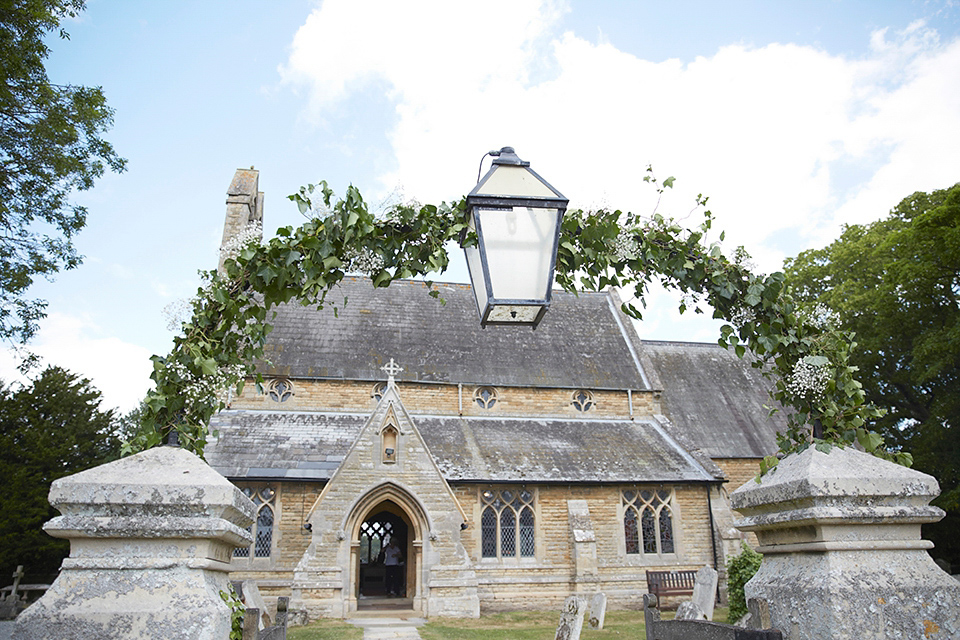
[151,537]
[842,552]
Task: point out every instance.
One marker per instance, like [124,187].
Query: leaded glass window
[648,521]
[261,546]
[374,537]
[488,531]
[630,531]
[263,498]
[527,542]
[507,524]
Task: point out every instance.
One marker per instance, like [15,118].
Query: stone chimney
[244,205]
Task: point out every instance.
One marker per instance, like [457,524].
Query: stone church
[511,467]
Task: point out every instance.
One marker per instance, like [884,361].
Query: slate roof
[583,342]
[713,397]
[310,446]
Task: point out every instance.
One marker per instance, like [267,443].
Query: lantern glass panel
[513,181]
[519,245]
[476,273]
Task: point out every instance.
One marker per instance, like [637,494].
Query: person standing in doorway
[393,562]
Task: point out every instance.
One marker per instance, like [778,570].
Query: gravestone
[571,619]
[11,605]
[689,610]
[705,590]
[598,611]
[252,598]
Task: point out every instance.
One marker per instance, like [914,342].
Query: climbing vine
[801,350]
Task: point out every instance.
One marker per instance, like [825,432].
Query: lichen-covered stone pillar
[586,576]
[151,537]
[843,557]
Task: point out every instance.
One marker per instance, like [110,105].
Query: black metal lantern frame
[516,216]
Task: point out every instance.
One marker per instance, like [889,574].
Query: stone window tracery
[262,528]
[378,390]
[648,521]
[374,537]
[485,397]
[583,400]
[280,389]
[507,523]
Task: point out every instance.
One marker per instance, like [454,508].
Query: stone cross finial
[391,369]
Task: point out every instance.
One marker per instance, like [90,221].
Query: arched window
[652,510]
[630,531]
[527,542]
[261,546]
[378,390]
[488,533]
[262,529]
[507,524]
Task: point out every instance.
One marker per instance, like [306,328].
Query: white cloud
[789,141]
[764,131]
[119,370]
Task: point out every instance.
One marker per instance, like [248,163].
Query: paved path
[388,628]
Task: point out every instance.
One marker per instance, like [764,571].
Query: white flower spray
[251,234]
[625,246]
[809,377]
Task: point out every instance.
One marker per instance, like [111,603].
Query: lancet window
[648,521]
[262,528]
[507,523]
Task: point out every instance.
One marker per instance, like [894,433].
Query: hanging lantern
[516,216]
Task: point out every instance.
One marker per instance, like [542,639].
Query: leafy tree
[50,146]
[48,430]
[896,283]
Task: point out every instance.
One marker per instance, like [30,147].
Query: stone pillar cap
[841,473]
[166,489]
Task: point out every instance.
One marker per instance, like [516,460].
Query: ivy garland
[803,351]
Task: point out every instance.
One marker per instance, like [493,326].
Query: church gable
[387,490]
[388,449]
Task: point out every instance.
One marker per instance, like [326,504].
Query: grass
[538,625]
[517,625]
[325,630]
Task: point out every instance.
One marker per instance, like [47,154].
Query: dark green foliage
[740,569]
[48,430]
[236,613]
[896,283]
[50,145]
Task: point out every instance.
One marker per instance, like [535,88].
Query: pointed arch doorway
[376,582]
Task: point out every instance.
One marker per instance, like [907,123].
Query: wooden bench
[671,583]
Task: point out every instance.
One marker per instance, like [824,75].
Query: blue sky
[794,117]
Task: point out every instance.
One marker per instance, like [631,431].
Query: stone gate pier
[842,552]
[151,538]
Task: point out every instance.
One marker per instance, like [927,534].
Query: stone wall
[449,399]
[508,584]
